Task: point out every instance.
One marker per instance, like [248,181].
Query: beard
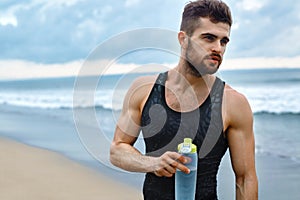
[191,69]
[200,68]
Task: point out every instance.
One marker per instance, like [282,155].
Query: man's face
[206,47]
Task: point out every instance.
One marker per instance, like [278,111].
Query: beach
[32,173]
[42,158]
[39,173]
[45,156]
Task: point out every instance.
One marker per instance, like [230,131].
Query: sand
[31,173]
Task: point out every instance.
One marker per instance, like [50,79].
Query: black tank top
[163,129]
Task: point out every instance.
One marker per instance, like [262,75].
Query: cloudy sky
[62,33]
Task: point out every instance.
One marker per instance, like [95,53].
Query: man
[189,101]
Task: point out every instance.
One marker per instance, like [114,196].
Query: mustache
[214,56]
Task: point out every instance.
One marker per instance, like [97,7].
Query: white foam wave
[271,99]
[262,99]
[61,99]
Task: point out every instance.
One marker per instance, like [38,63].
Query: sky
[40,38]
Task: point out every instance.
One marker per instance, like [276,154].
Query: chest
[185,100]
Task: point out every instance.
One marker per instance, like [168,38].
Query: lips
[215,57]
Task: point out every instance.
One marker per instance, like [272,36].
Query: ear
[183,39]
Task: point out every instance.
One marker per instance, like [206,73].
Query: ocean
[272,93]
[86,110]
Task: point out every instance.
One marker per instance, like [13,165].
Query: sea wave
[58,100]
[101,106]
[276,113]
[263,99]
[279,154]
[261,102]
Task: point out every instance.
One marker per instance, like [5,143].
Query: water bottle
[185,184]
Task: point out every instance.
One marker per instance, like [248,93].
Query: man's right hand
[167,164]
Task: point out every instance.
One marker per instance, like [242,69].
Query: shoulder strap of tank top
[162,77]
[216,93]
[215,128]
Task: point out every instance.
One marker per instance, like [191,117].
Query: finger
[178,165]
[183,168]
[170,165]
[157,173]
[179,157]
[167,173]
[174,155]
[177,161]
[182,159]
[185,159]
[171,169]
[163,172]
[167,160]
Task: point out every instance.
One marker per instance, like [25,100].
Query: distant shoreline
[23,70]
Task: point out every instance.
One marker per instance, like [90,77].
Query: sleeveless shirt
[164,128]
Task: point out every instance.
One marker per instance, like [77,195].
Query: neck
[185,92]
[184,77]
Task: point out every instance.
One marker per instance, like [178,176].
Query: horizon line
[23,69]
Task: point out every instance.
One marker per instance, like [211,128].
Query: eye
[209,38]
[224,41]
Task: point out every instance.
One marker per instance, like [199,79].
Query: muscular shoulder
[139,91]
[143,82]
[234,98]
[236,108]
[130,117]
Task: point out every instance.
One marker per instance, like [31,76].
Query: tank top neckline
[163,80]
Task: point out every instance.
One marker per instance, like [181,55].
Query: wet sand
[31,173]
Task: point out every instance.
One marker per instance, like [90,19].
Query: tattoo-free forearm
[129,158]
[247,189]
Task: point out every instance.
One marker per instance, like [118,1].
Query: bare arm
[241,145]
[122,152]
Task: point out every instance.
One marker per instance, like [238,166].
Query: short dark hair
[215,10]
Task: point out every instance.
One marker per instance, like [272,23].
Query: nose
[217,47]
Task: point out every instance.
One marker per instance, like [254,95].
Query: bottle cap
[187,146]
